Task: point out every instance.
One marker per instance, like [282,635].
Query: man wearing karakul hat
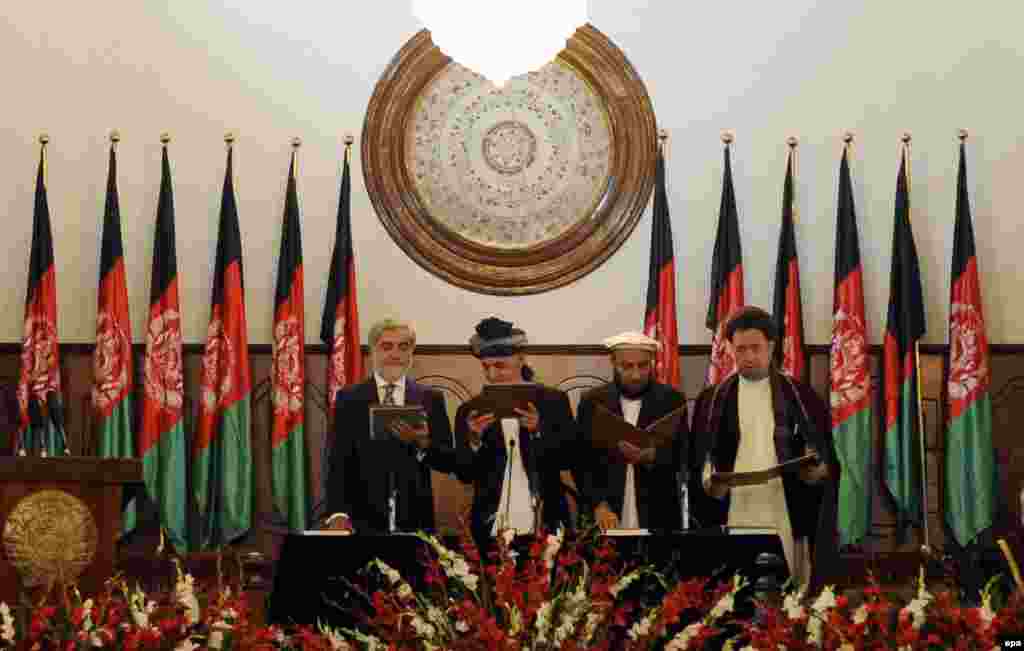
[514,464]
[632,487]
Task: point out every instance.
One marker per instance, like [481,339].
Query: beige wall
[272,71]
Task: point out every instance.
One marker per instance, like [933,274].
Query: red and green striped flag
[162,437]
[289,370]
[970,457]
[39,381]
[726,280]
[850,378]
[788,310]
[339,328]
[112,358]
[660,313]
[904,328]
[222,450]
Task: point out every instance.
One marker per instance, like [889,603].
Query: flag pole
[348,147]
[926,549]
[792,143]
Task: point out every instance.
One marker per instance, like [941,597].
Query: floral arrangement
[549,594]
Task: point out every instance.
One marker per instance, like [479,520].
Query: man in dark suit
[365,474]
[514,464]
[631,487]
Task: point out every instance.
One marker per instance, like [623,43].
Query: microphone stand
[392,502]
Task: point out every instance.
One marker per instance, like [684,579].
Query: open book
[753,477]
[608,428]
[384,417]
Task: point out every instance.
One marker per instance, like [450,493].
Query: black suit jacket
[358,478]
[657,485]
[545,454]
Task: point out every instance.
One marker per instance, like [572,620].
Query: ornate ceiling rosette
[512,190]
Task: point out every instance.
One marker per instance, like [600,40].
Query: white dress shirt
[630,516]
[515,509]
[398,395]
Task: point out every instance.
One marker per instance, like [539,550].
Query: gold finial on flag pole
[229,138]
[115,137]
[165,138]
[296,142]
[44,138]
[792,141]
[905,138]
[962,135]
[727,137]
[848,138]
[662,138]
[349,139]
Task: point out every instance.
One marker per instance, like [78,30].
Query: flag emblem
[163,361]
[337,367]
[39,360]
[287,394]
[849,361]
[110,362]
[723,362]
[219,355]
[968,369]
[789,351]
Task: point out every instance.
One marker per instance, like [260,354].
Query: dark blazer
[802,418]
[545,454]
[657,485]
[357,482]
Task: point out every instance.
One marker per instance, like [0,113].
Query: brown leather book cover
[608,428]
[502,400]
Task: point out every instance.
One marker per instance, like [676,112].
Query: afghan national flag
[340,326]
[222,451]
[970,457]
[660,315]
[726,280]
[162,439]
[850,385]
[112,359]
[39,389]
[790,354]
[289,370]
[904,329]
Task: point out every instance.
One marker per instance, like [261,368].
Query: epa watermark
[1011,642]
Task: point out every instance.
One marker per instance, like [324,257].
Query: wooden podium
[61,516]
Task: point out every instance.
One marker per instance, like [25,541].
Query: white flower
[793,606]
[216,639]
[825,601]
[404,591]
[422,628]
[682,640]
[642,628]
[461,626]
[186,645]
[6,623]
[184,595]
[861,614]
